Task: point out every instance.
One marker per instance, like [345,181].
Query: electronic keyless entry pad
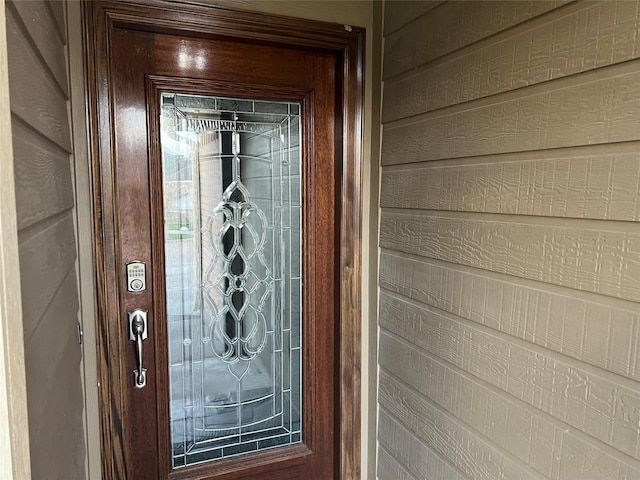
[136,277]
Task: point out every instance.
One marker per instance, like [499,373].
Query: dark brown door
[224,275]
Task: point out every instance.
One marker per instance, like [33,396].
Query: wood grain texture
[139,431]
[433,341]
[450,27]
[318,349]
[585,259]
[548,449]
[198,19]
[402,12]
[603,109]
[42,28]
[43,176]
[510,201]
[35,96]
[598,186]
[583,328]
[398,445]
[450,438]
[46,258]
[554,48]
[94,24]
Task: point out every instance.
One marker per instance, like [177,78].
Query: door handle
[137,334]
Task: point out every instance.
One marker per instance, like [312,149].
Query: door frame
[99,18]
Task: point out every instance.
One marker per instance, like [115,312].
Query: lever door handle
[137,334]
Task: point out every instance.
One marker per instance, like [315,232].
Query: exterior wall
[14,434]
[510,243]
[40,126]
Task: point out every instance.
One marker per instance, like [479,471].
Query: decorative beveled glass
[232,216]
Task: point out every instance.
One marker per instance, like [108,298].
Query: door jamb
[348,43]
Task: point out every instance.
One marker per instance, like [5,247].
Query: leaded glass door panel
[233,264]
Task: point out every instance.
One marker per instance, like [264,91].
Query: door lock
[136,276]
[138,333]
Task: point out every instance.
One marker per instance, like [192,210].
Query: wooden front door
[219,175]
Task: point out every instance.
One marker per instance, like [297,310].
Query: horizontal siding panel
[603,110]
[43,177]
[400,12]
[417,458]
[606,410]
[38,19]
[46,258]
[600,186]
[58,322]
[67,456]
[598,334]
[452,26]
[35,97]
[554,451]
[38,83]
[388,468]
[56,431]
[450,438]
[54,342]
[57,9]
[598,35]
[510,266]
[591,260]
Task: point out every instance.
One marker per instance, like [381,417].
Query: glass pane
[232,216]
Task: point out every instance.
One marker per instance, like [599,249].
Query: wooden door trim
[99,18]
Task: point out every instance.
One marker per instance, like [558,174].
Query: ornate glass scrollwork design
[238,329]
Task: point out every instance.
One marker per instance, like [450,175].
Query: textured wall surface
[510,241]
[39,93]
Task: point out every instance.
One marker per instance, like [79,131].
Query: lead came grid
[232,201]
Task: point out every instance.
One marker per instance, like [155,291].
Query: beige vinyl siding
[14,434]
[405,11]
[39,95]
[510,241]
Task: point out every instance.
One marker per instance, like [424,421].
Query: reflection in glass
[232,214]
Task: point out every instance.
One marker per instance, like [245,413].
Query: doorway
[227,193]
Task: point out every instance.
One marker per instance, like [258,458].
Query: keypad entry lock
[136,277]
[138,333]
